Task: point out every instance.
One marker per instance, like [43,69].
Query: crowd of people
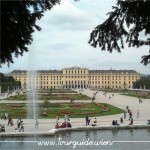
[5,116]
[66,122]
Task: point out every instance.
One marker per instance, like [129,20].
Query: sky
[63,41]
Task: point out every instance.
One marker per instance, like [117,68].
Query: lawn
[45,96]
[17,97]
[138,94]
[51,110]
[57,91]
[64,97]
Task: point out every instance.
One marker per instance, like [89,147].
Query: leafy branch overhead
[18,22]
[124,25]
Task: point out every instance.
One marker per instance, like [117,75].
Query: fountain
[32,96]
[31,86]
[32,105]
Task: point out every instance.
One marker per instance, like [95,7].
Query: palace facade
[76,77]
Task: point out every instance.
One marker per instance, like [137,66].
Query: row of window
[113,77]
[97,87]
[110,87]
[75,72]
[94,77]
[107,82]
[79,83]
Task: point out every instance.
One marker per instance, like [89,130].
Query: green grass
[137,93]
[51,110]
[145,95]
[57,91]
[64,97]
[52,97]
[17,97]
[133,95]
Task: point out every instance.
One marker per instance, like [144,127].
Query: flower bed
[104,108]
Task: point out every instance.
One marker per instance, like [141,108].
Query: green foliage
[8,82]
[46,102]
[18,22]
[134,15]
[46,97]
[143,82]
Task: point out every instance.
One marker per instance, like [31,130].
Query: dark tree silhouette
[18,22]
[144,81]
[8,82]
[125,23]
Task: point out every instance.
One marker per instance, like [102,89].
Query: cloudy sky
[63,41]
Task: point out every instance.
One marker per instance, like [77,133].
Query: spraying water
[32,95]
[32,106]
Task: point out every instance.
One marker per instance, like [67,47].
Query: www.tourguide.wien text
[86,142]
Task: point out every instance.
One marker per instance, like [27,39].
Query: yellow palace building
[76,77]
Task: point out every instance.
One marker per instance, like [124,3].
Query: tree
[125,24]
[8,82]
[143,82]
[18,22]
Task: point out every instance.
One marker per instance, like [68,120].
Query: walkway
[117,100]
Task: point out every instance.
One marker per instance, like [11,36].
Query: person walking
[138,113]
[124,114]
[86,119]
[130,114]
[36,124]
[21,127]
[89,119]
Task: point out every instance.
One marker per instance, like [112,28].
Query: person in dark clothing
[21,127]
[86,119]
[121,120]
[113,122]
[69,125]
